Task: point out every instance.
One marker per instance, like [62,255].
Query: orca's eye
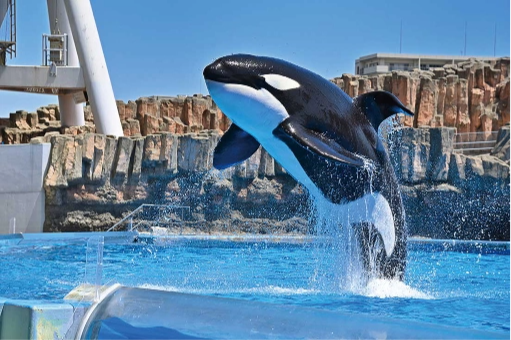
[258,83]
[279,82]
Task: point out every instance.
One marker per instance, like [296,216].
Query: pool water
[450,283]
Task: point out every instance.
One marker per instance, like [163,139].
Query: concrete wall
[23,168]
[32,319]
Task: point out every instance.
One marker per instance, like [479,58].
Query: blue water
[457,284]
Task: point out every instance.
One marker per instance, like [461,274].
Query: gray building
[387,62]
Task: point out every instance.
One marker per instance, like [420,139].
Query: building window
[424,67]
[398,66]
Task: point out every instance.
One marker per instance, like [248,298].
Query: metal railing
[148,216]
[55,49]
[475,143]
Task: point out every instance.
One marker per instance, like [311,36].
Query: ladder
[12,13]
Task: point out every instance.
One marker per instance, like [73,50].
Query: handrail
[48,49]
[476,142]
[125,218]
[141,207]
[476,133]
[475,149]
[462,142]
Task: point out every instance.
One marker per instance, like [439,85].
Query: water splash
[381,288]
[341,263]
[338,262]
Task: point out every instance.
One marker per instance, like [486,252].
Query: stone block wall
[22,126]
[471,96]
[145,116]
[448,194]
[93,180]
[182,114]
[426,156]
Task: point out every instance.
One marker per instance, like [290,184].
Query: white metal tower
[73,65]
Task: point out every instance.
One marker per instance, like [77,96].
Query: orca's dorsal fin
[291,129]
[379,105]
[234,147]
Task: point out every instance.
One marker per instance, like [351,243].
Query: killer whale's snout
[216,71]
[224,70]
[240,69]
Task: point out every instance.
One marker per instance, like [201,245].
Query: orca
[323,138]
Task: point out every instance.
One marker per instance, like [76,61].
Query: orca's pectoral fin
[234,147]
[380,105]
[315,142]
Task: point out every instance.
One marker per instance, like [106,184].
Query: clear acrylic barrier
[94,263]
[136,313]
[12,225]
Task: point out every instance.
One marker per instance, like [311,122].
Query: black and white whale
[324,139]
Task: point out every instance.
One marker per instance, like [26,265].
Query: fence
[475,143]
[148,216]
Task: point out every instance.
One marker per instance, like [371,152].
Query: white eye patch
[257,112]
[279,82]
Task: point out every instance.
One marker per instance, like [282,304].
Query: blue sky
[159,47]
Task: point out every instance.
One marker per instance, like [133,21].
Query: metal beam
[38,79]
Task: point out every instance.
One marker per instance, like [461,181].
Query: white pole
[93,64]
[71,114]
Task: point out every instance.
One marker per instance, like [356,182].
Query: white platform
[21,188]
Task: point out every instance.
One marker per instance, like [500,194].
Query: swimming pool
[463,284]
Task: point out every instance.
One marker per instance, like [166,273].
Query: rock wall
[451,195]
[502,148]
[94,180]
[22,126]
[179,115]
[471,96]
[145,116]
